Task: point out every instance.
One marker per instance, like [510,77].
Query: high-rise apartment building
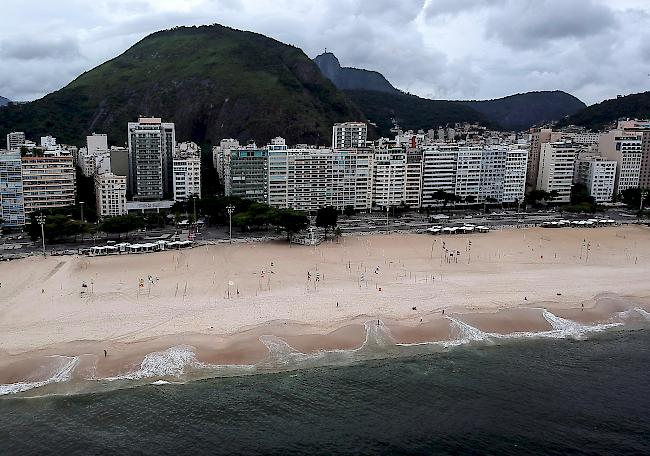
[538,137]
[12,205]
[48,182]
[556,163]
[413,190]
[598,174]
[221,153]
[151,148]
[187,171]
[245,174]
[438,172]
[641,129]
[349,135]
[626,149]
[389,177]
[514,179]
[15,139]
[110,194]
[308,179]
[468,172]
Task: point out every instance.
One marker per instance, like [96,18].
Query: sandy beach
[222,298]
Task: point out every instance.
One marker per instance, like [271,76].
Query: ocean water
[529,395]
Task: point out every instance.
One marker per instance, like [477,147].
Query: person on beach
[105,353]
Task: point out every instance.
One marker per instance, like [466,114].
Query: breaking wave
[62,373]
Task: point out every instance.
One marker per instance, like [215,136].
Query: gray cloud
[27,48]
[523,25]
[456,49]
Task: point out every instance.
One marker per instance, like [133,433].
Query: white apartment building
[110,193]
[15,139]
[308,179]
[349,135]
[556,163]
[91,163]
[438,172]
[538,137]
[389,178]
[514,179]
[640,128]
[12,206]
[48,142]
[48,182]
[468,172]
[187,178]
[626,149]
[598,175]
[221,153]
[413,190]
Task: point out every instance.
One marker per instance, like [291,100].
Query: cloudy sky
[455,49]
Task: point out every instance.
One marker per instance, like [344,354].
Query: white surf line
[62,375]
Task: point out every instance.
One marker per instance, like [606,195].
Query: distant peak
[327,58]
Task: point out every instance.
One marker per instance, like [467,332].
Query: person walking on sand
[105,353]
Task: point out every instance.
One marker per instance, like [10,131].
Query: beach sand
[222,298]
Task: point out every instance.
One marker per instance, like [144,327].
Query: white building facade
[598,175]
[110,193]
[349,135]
[556,163]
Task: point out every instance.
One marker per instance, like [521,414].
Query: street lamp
[81,203]
[41,221]
[230,208]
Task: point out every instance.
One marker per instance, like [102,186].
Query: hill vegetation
[597,116]
[410,111]
[212,81]
[523,110]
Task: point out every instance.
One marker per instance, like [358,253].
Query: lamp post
[41,221]
[81,203]
[230,208]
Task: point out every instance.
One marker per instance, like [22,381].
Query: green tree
[536,197]
[632,197]
[290,220]
[349,211]
[121,224]
[327,217]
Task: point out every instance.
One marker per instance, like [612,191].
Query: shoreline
[223,300]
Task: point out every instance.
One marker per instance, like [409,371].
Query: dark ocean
[522,396]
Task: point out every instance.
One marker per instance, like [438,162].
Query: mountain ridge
[4,101]
[211,81]
[599,115]
[348,78]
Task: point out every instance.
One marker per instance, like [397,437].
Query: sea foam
[67,365]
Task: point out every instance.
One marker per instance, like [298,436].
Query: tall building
[413,190]
[12,205]
[598,175]
[187,171]
[538,137]
[640,128]
[48,182]
[151,148]
[349,135]
[556,163]
[110,194]
[15,139]
[514,179]
[626,149]
[438,172]
[308,179]
[221,153]
[389,177]
[245,174]
[468,172]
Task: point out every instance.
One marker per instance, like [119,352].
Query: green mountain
[594,117]
[212,81]
[412,112]
[347,78]
[523,110]
[515,112]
